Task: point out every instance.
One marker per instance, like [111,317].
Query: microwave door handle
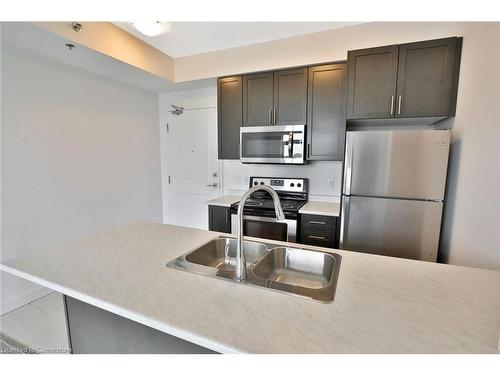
[290,144]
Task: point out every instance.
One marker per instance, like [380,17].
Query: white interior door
[192,170]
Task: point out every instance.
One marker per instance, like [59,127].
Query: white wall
[471,234]
[80,154]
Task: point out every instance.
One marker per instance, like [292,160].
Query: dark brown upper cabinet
[258,99]
[230,116]
[326,111]
[427,78]
[404,81]
[290,97]
[372,82]
[275,98]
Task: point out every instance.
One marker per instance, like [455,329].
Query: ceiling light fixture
[151,28]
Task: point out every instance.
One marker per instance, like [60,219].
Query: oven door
[266,227]
[272,144]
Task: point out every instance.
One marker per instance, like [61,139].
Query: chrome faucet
[241,273]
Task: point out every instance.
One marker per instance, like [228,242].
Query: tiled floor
[38,327]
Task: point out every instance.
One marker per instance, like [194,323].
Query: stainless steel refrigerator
[394,185]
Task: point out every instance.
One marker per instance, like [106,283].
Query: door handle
[274,116]
[290,144]
[215,184]
[270,119]
[349,150]
[344,221]
[392,105]
[400,100]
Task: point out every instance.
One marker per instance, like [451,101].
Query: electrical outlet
[331,183]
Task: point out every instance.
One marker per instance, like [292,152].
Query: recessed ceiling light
[152,28]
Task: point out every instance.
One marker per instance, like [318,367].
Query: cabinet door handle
[316,237]
[215,184]
[316,222]
[400,100]
[308,150]
[392,105]
[270,119]
[274,116]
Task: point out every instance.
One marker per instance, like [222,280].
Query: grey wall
[80,154]
[471,230]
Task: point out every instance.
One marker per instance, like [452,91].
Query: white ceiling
[191,38]
[25,36]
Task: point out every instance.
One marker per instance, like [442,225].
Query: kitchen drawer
[318,222]
[318,230]
[318,237]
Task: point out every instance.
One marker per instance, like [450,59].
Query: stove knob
[292,184]
[262,183]
[299,185]
[255,183]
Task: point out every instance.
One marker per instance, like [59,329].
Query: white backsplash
[324,177]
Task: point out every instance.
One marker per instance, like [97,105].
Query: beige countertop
[382,304]
[225,201]
[321,208]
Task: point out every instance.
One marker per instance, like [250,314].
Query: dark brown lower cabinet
[318,230]
[219,219]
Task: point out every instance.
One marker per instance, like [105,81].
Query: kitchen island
[382,304]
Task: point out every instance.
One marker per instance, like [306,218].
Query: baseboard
[16,302]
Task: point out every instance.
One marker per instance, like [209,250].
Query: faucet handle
[227,261]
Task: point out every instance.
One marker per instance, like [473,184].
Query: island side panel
[92,330]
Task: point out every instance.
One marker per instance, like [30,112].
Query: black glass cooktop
[268,205]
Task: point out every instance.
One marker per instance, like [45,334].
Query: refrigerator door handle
[344,222]
[349,149]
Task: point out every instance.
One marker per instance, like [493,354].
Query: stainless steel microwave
[273,144]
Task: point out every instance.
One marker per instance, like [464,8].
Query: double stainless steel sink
[304,273]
